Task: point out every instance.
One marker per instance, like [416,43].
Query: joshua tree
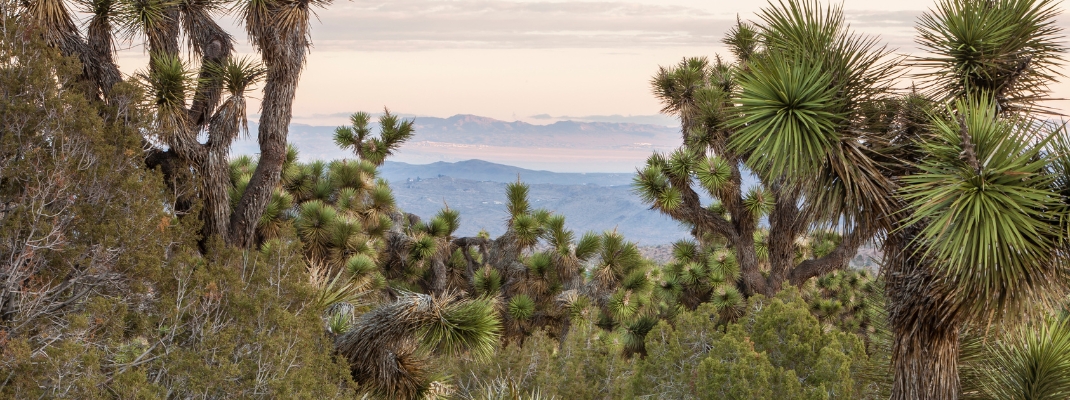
[982,234]
[819,108]
[198,111]
[966,189]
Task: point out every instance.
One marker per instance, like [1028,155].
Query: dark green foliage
[117,298]
[779,351]
[1007,50]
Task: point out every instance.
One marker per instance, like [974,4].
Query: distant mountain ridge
[589,201]
[479,170]
[473,129]
[563,145]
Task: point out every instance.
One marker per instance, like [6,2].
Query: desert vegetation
[140,259]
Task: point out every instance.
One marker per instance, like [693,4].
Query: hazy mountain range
[465,161]
[568,146]
[590,202]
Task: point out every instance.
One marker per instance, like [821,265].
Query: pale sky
[512,59]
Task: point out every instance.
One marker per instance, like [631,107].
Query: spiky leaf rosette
[517,193]
[723,266]
[336,288]
[789,116]
[313,225]
[360,265]
[677,86]
[386,347]
[275,214]
[990,214]
[634,335]
[728,302]
[527,230]
[743,41]
[169,83]
[521,307]
[1030,362]
[487,281]
[1008,50]
[588,246]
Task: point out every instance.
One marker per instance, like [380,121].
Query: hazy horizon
[523,60]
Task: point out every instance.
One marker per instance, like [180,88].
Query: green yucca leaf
[991,214]
[452,218]
[637,281]
[169,83]
[670,199]
[761,248]
[713,173]
[380,225]
[348,199]
[146,17]
[681,163]
[542,216]
[1007,50]
[588,246]
[238,189]
[622,305]
[438,227]
[351,136]
[423,247]
[684,250]
[466,325]
[241,165]
[1030,362]
[539,263]
[517,193]
[728,302]
[650,183]
[343,230]
[348,175]
[823,248]
[634,336]
[676,86]
[758,202]
[521,307]
[322,190]
[527,229]
[339,322]
[560,237]
[382,198]
[360,265]
[275,214]
[487,281]
[332,289]
[723,266]
[742,40]
[313,222]
[238,75]
[690,274]
[790,116]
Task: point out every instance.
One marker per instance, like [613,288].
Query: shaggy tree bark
[924,322]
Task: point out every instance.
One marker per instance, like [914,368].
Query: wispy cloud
[434,24]
[407,25]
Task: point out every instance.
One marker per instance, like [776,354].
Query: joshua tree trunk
[924,323]
[284,57]
[925,360]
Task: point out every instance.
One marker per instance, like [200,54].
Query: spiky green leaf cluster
[991,215]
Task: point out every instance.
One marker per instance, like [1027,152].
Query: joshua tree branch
[837,259]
